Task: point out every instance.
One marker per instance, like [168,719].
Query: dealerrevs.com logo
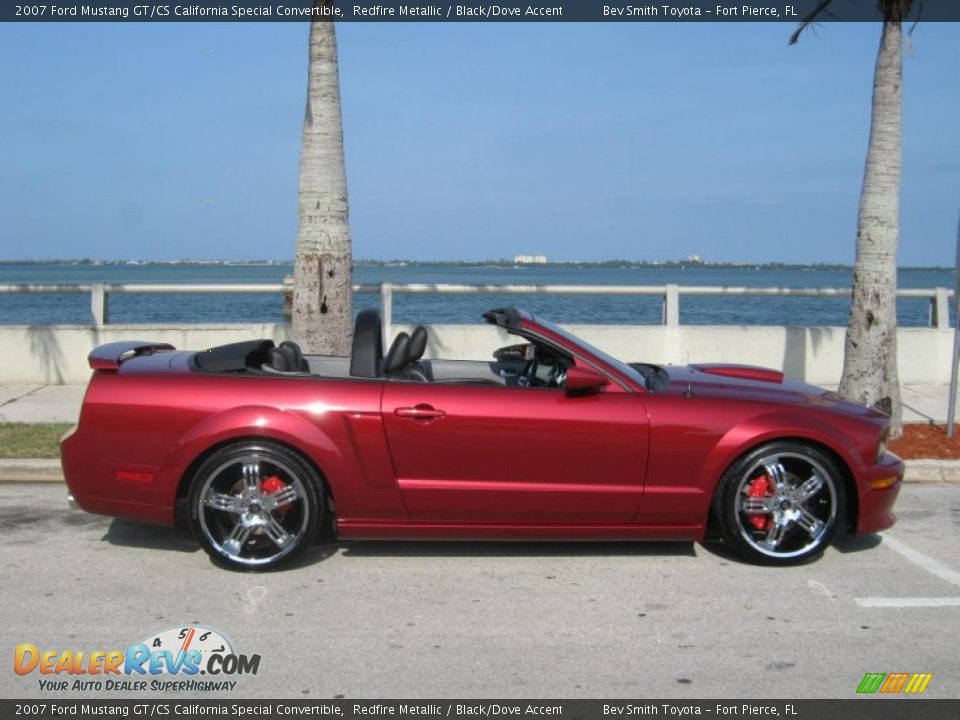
[171,660]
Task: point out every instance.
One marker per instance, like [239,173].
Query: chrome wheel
[253,506]
[781,503]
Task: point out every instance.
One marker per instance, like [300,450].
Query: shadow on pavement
[722,552]
[313,555]
[128,533]
[843,543]
[856,543]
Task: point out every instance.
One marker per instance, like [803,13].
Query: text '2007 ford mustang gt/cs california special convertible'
[257,447]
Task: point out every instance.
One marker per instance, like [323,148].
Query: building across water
[530,259]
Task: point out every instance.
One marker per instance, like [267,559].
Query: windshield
[618,365]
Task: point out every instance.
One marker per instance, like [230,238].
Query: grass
[29,440]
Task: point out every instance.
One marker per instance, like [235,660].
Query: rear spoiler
[112,355]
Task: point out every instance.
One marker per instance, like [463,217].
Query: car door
[488,454]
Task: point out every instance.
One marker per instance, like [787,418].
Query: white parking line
[934,567]
[918,558]
[908,602]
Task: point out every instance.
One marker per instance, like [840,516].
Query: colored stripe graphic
[918,683]
[893,683]
[871,682]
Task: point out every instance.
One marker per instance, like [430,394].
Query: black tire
[780,504]
[255,505]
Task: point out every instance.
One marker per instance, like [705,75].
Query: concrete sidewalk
[61,403]
[41,403]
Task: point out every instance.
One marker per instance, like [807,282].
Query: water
[34,309]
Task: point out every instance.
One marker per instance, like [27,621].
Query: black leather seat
[395,363]
[287,358]
[366,356]
[418,344]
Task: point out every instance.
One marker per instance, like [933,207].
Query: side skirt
[374,530]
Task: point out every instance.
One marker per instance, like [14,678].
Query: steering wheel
[528,375]
[558,376]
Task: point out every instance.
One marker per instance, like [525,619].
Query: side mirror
[583,378]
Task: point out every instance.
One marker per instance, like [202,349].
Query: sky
[470,141]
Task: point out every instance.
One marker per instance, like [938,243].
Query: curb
[933,471]
[31,470]
[48,470]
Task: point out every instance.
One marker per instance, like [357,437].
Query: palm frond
[810,18]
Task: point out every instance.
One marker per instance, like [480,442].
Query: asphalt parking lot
[401,620]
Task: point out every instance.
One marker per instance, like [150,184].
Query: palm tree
[870,351]
[322,308]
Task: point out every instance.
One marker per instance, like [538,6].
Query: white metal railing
[670,294]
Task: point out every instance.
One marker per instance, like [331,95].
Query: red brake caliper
[270,485]
[760,487]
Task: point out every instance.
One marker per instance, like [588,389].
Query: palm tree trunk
[870,352]
[322,308]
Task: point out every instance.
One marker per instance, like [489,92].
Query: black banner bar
[853,709]
[789,11]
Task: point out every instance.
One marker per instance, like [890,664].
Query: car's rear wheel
[255,505]
[780,504]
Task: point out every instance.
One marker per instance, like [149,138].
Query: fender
[689,480]
[241,422]
[320,442]
[770,427]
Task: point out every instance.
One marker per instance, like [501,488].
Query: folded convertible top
[233,357]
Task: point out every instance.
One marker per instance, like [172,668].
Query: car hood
[750,383]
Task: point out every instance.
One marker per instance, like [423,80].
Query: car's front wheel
[780,504]
[255,505]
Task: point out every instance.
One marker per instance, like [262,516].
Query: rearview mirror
[582,378]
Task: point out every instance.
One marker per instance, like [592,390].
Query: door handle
[420,412]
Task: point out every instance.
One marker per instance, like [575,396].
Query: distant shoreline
[365,262]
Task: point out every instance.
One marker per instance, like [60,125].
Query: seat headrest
[367,352]
[279,360]
[398,354]
[294,355]
[418,343]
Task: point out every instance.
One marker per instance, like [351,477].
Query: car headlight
[882,445]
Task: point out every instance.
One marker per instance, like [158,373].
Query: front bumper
[878,488]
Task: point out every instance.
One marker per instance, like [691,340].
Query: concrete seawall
[57,354]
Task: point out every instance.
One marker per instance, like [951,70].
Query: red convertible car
[257,447]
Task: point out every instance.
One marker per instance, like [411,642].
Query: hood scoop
[742,372]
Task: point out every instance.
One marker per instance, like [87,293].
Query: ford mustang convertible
[258,448]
